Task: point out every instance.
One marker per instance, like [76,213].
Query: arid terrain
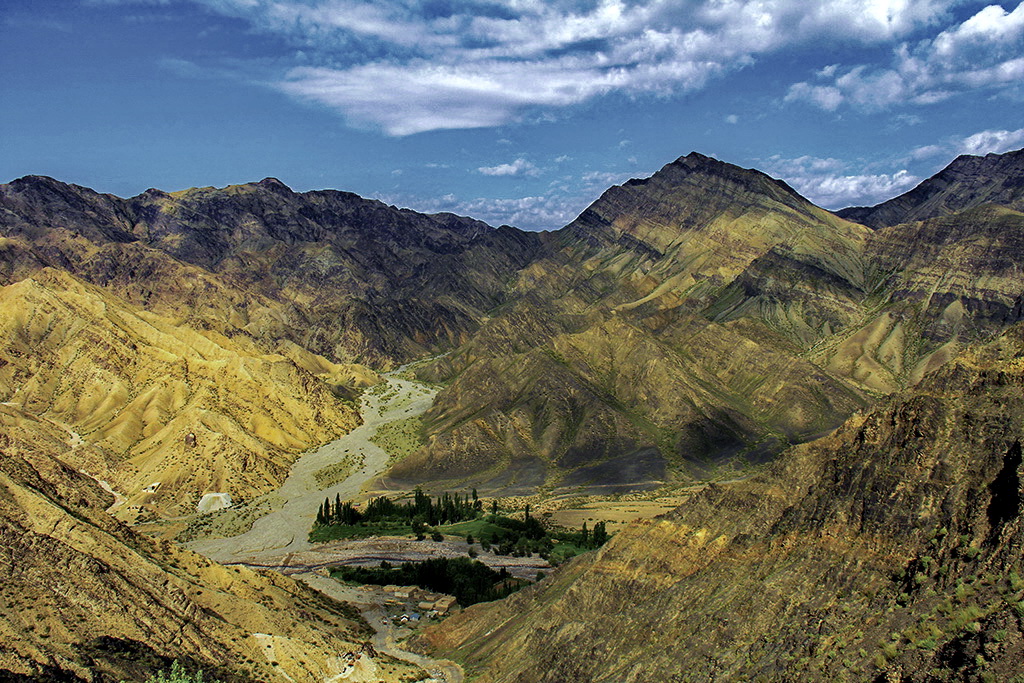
[801,427]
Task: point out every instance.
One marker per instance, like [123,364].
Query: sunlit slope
[135,385]
[612,353]
[705,316]
[85,598]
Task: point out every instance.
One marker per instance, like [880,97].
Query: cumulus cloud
[986,51]
[982,142]
[830,183]
[549,212]
[408,67]
[992,141]
[518,167]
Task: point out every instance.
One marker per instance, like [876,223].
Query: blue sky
[511,111]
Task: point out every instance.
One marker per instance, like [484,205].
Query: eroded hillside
[706,318]
[889,550]
[202,340]
[85,598]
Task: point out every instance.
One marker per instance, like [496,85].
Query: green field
[336,532]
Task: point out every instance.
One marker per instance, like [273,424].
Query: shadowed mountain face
[968,182]
[345,277]
[889,550]
[705,317]
[204,339]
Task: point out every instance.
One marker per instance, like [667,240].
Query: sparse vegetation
[177,674]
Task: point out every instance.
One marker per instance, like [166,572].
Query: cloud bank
[412,66]
[984,52]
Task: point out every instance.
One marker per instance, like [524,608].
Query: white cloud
[732,119]
[992,141]
[829,182]
[982,142]
[518,167]
[407,68]
[983,52]
[529,213]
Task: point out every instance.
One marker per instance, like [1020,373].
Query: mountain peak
[275,185]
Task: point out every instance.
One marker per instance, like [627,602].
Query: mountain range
[857,372]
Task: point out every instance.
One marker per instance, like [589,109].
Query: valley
[802,429]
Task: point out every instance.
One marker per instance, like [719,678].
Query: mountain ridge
[962,184]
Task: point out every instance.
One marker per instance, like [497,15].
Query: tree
[176,674]
[600,535]
[469,539]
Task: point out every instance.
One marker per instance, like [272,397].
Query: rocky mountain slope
[202,340]
[967,182]
[703,317]
[700,319]
[86,599]
[889,550]
[345,277]
[169,412]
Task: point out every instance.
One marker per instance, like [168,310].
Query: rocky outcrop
[889,550]
[967,182]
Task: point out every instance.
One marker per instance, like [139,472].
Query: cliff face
[85,598]
[889,550]
[705,317]
[969,181]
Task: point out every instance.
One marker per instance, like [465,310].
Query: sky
[517,112]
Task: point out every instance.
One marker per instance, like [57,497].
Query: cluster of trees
[421,511]
[470,581]
[522,538]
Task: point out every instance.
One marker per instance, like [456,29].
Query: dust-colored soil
[285,529]
[614,513]
[369,552]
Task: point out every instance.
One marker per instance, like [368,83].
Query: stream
[284,531]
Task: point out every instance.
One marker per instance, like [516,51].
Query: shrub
[177,674]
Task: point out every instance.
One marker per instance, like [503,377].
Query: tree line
[469,581]
[421,510]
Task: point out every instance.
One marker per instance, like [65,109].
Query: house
[444,604]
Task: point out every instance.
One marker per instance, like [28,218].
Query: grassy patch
[237,519]
[338,472]
[478,528]
[336,532]
[400,438]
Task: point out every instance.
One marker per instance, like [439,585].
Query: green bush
[177,674]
